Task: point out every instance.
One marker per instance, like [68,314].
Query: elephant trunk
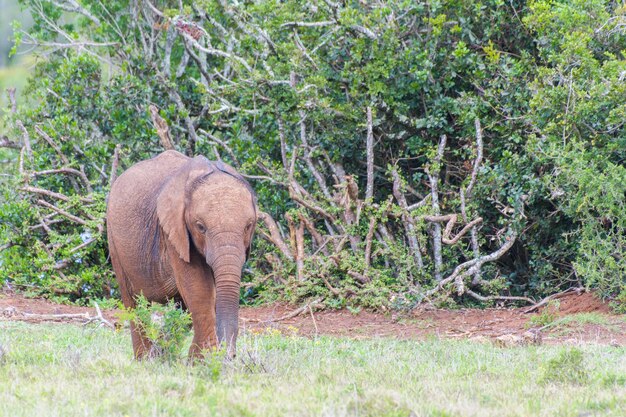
[227,284]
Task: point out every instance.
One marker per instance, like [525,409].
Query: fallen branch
[545,301]
[99,318]
[498,297]
[290,315]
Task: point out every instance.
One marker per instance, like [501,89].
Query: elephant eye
[201,227]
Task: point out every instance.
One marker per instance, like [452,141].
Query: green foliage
[165,326]
[567,367]
[544,77]
[547,316]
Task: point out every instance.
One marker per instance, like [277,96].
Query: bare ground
[603,327]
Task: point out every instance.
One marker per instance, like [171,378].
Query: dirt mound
[585,302]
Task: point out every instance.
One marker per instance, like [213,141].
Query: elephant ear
[171,204]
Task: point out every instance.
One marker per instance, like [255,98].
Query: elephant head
[209,208]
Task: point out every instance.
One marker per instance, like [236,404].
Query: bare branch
[275,236]
[369,191]
[26,136]
[470,267]
[222,144]
[368,243]
[411,233]
[79,174]
[74,7]
[6,143]
[62,212]
[433,175]
[114,163]
[498,297]
[161,127]
[308,24]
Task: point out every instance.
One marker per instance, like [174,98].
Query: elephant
[181,228]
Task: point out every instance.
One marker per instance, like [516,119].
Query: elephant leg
[142,346]
[196,286]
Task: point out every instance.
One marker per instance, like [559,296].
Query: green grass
[66,370]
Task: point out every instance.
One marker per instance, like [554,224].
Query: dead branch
[275,236]
[471,225]
[99,318]
[52,194]
[62,212]
[369,191]
[368,243]
[115,161]
[5,142]
[411,233]
[308,24]
[470,267]
[72,171]
[466,194]
[222,144]
[300,251]
[363,279]
[307,149]
[549,298]
[433,175]
[57,316]
[54,146]
[320,242]
[283,142]
[497,297]
[162,128]
[290,315]
[83,245]
[193,137]
[73,6]
[26,136]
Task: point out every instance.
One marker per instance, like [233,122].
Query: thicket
[457,151]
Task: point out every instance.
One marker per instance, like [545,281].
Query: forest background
[461,152]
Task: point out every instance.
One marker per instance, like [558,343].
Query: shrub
[166,326]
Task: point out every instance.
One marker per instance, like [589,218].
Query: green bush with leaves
[166,326]
[453,150]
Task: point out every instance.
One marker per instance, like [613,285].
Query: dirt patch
[585,302]
[487,324]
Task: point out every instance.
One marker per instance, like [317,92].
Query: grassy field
[66,370]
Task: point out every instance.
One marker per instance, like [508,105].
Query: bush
[506,116]
[165,326]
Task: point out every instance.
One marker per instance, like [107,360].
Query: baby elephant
[182,228]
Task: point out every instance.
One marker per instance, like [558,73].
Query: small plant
[547,316]
[568,366]
[166,326]
[211,365]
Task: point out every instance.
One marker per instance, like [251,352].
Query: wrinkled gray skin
[182,228]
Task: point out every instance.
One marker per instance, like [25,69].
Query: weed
[568,366]
[166,326]
[547,316]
